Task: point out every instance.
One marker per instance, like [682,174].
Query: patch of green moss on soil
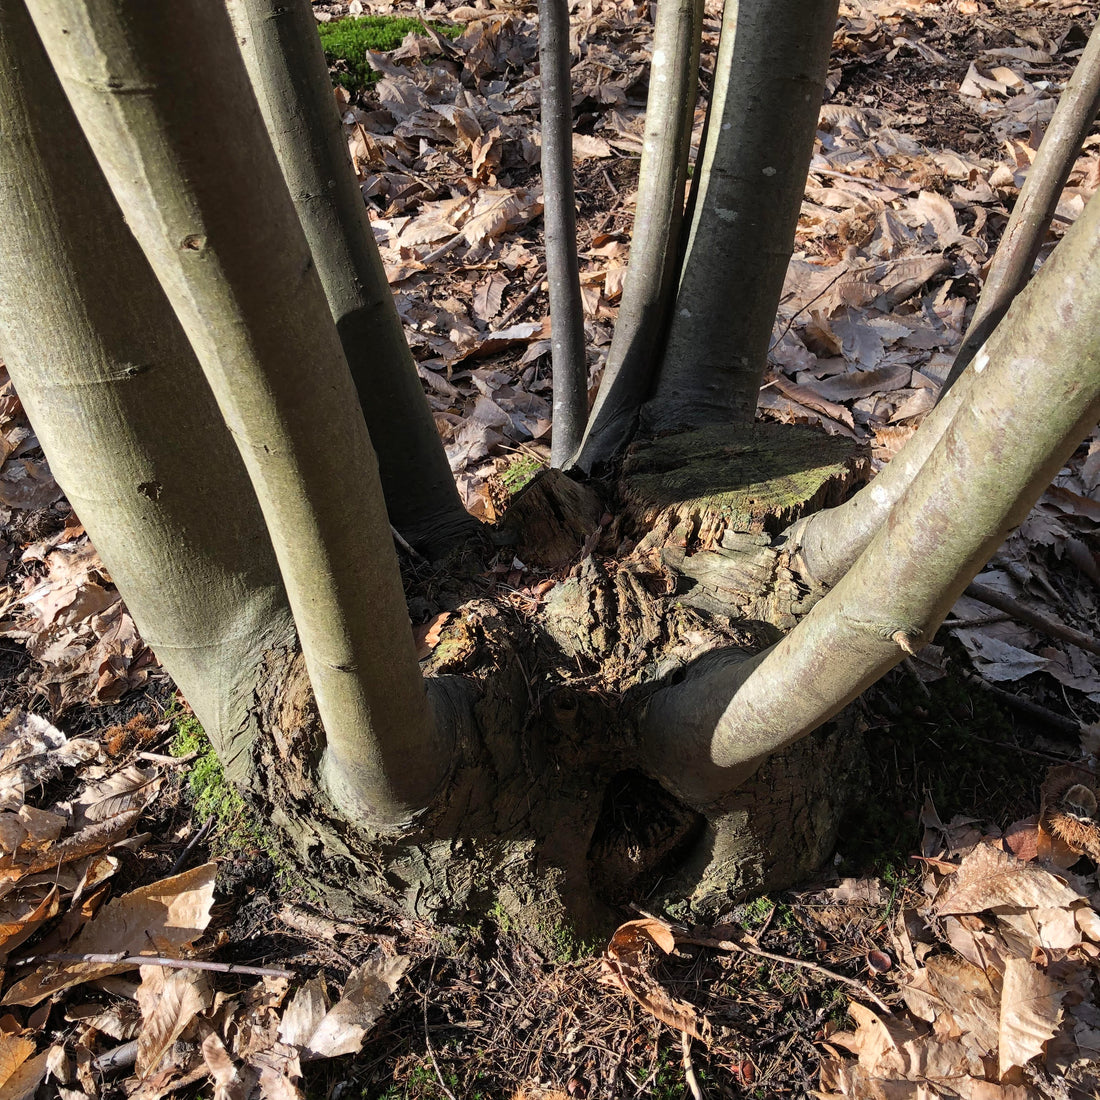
[346,42]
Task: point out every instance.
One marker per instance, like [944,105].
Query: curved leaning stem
[560,219]
[768,84]
[102,366]
[1036,203]
[212,213]
[286,64]
[655,247]
[824,545]
[1026,409]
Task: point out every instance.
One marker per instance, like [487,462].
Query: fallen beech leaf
[321,1032]
[25,1077]
[14,1051]
[169,1000]
[1031,1008]
[21,917]
[427,634]
[626,964]
[988,878]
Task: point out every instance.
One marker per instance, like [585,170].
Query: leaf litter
[986,964]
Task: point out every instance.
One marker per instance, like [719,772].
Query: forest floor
[949,948]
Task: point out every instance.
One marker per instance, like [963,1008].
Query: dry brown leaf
[21,917]
[1031,1008]
[321,1032]
[966,992]
[129,788]
[588,147]
[427,634]
[627,962]
[988,878]
[162,918]
[169,1000]
[230,1083]
[25,1077]
[14,1051]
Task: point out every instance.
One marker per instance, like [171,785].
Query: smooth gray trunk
[1033,396]
[192,168]
[655,249]
[285,61]
[120,405]
[568,359]
[768,84]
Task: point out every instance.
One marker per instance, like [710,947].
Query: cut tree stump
[689,489]
[710,503]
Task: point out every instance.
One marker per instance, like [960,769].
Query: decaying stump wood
[710,503]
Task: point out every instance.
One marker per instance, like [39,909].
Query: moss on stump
[689,489]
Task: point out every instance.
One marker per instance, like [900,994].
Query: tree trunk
[119,403]
[768,82]
[569,361]
[287,67]
[651,718]
[210,209]
[655,247]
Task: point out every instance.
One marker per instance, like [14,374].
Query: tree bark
[823,546]
[119,403]
[1025,412]
[286,64]
[1035,206]
[768,84]
[655,249]
[567,344]
[198,182]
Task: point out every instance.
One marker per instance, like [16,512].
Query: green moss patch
[346,42]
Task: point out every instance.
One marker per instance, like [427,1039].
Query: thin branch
[195,841]
[1035,206]
[560,220]
[689,1068]
[531,294]
[1066,726]
[1050,626]
[832,975]
[123,958]
[431,1051]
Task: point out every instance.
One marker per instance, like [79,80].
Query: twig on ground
[733,945]
[910,667]
[1050,626]
[443,249]
[1066,726]
[400,540]
[515,310]
[167,761]
[431,1052]
[1050,757]
[118,958]
[121,1057]
[197,839]
[689,1069]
